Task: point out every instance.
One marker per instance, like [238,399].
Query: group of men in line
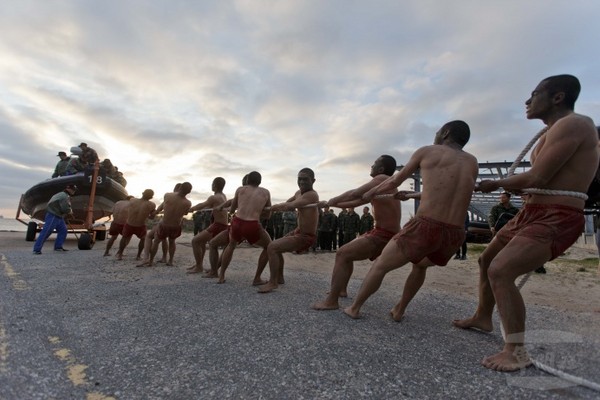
[332,229]
[564,160]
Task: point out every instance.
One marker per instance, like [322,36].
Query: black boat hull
[108,192]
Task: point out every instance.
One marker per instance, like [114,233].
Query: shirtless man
[175,207]
[152,234]
[220,240]
[437,230]
[249,202]
[386,211]
[303,237]
[565,159]
[139,211]
[219,224]
[119,216]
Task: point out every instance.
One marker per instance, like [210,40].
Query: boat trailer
[86,231]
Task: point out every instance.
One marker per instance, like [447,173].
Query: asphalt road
[76,325]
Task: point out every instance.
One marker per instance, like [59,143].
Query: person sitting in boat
[61,166]
[118,176]
[88,155]
[113,172]
[108,166]
[74,166]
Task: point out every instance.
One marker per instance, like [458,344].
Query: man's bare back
[139,211]
[250,201]
[175,207]
[121,211]
[449,176]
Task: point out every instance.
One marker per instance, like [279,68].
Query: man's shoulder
[310,194]
[574,122]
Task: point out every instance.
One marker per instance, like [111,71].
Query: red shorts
[242,229]
[139,231]
[171,232]
[554,225]
[307,239]
[215,228]
[425,237]
[115,229]
[379,237]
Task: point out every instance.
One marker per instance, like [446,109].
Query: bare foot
[507,361]
[192,267]
[138,258]
[106,253]
[280,281]
[269,287]
[259,282]
[325,305]
[210,274]
[162,261]
[477,323]
[221,280]
[119,256]
[351,313]
[397,314]
[194,270]
[145,264]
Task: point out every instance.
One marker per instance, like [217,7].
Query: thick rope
[525,150]
[567,377]
[578,195]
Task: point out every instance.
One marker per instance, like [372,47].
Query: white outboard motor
[75,150]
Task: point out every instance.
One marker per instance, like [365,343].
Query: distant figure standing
[341,223]
[277,219]
[138,212]
[59,206]
[120,212]
[366,221]
[334,235]
[501,213]
[463,256]
[326,229]
[61,166]
[290,221]
[351,225]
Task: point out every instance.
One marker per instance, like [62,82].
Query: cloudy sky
[176,91]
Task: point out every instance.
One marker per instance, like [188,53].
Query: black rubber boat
[108,192]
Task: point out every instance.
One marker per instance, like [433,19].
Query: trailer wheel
[85,242]
[101,234]
[31,231]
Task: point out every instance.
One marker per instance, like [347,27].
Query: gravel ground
[77,325]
